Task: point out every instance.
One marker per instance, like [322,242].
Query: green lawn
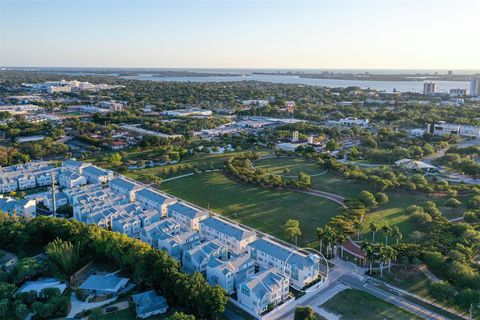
[288,166]
[357,305]
[259,208]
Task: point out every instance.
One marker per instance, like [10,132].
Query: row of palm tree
[331,238]
[387,231]
[381,253]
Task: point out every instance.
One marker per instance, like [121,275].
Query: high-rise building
[429,88]
[475,88]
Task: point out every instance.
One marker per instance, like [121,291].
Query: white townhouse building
[23,207]
[97,175]
[151,233]
[234,237]
[265,288]
[300,268]
[152,200]
[60,200]
[129,225]
[69,179]
[8,184]
[75,166]
[124,187]
[26,181]
[176,245]
[44,178]
[197,258]
[230,273]
[186,215]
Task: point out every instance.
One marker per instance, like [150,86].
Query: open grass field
[259,208]
[365,306]
[284,166]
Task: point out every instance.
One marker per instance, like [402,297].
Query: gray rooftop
[148,301]
[109,282]
[186,210]
[227,228]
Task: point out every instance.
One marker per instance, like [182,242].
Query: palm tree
[370,256]
[357,224]
[386,231]
[397,234]
[320,236]
[374,229]
[392,254]
[365,244]
[383,257]
[329,236]
[339,240]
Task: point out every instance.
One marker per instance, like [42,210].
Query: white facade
[234,237]
[266,288]
[186,215]
[26,182]
[475,87]
[230,273]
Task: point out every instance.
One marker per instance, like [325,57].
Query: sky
[364,34]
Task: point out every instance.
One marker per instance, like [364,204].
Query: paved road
[423,312]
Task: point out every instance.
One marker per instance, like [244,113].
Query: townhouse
[23,207]
[186,215]
[70,179]
[300,268]
[97,175]
[8,184]
[197,258]
[234,237]
[151,233]
[230,273]
[124,187]
[75,166]
[265,289]
[176,245]
[60,200]
[26,181]
[152,200]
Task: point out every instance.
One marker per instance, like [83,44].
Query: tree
[396,233]
[357,224]
[21,311]
[381,198]
[65,255]
[374,229]
[332,145]
[367,199]
[181,316]
[292,230]
[453,203]
[320,236]
[6,290]
[304,313]
[304,180]
[115,159]
[386,230]
[4,305]
[474,202]
[369,253]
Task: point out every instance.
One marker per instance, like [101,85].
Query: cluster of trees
[148,267]
[462,160]
[240,166]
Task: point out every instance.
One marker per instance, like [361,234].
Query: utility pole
[52,177]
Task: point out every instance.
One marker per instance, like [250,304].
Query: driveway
[78,306]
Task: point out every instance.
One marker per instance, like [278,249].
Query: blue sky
[371,34]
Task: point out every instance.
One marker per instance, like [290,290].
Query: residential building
[151,233]
[300,268]
[97,175]
[354,121]
[26,181]
[148,304]
[124,187]
[197,258]
[230,273]
[188,112]
[75,166]
[61,199]
[176,245]
[8,260]
[264,289]
[429,88]
[70,179]
[234,237]
[187,216]
[22,207]
[104,284]
[458,93]
[475,87]
[8,184]
[152,200]
[443,128]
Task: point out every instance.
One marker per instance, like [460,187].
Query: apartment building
[234,237]
[186,215]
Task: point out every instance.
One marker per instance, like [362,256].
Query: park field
[265,210]
[365,306]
